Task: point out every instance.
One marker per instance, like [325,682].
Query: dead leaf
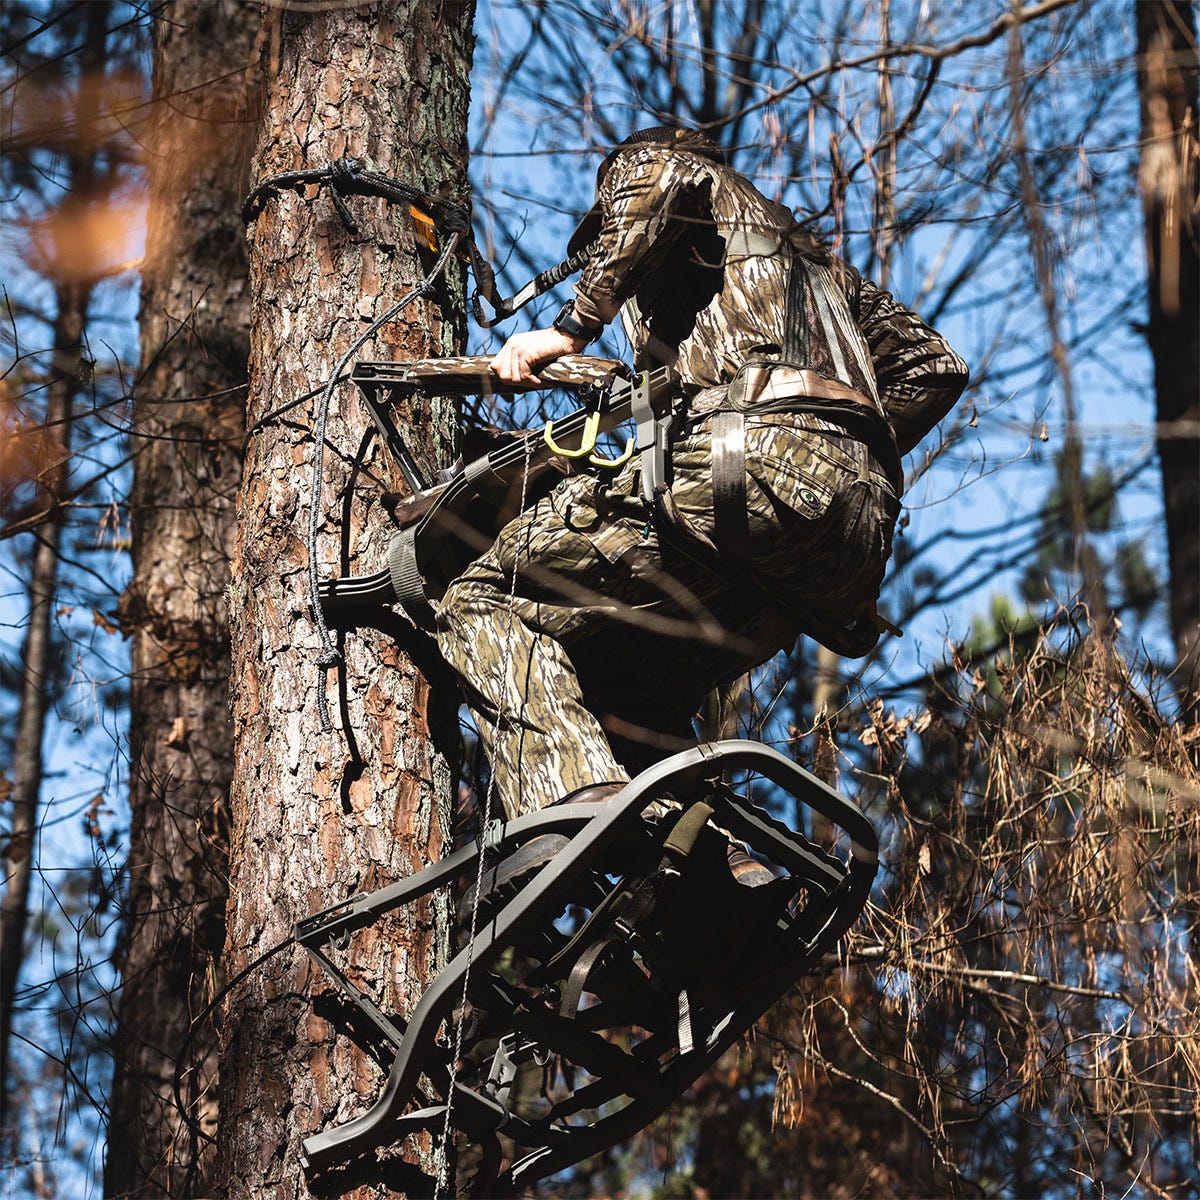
[98,618]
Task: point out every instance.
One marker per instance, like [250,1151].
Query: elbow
[958,375]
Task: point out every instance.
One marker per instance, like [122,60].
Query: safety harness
[437,526]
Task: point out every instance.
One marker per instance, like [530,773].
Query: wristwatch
[566,322]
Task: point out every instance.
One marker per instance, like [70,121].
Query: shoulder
[653,162]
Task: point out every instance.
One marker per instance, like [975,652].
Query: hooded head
[690,140]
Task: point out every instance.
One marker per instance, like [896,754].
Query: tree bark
[1169,178]
[187,430]
[318,817]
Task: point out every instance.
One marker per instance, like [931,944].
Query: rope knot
[328,660]
[457,219]
[345,169]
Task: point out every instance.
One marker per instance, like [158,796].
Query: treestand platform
[601,984]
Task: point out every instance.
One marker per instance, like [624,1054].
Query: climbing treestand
[610,952]
[609,955]
[618,972]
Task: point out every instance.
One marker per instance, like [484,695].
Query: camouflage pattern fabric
[469,375]
[596,663]
[697,259]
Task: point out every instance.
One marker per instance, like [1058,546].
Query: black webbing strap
[731,530]
[795,318]
[573,989]
[623,918]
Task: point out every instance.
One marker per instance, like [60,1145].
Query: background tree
[187,429]
[318,816]
[66,168]
[1169,177]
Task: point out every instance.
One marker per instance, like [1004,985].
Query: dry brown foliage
[1028,968]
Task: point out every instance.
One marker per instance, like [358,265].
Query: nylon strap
[573,989]
[795,319]
[731,530]
[625,914]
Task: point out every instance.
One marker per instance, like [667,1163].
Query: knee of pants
[461,610]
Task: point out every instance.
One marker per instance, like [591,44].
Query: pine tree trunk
[188,430]
[318,817]
[1169,177]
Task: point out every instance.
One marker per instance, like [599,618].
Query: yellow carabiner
[615,462]
[591,428]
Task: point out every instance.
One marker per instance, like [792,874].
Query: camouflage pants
[585,648]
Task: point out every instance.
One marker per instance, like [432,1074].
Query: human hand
[523,353]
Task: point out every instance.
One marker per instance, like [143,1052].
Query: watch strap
[567,322]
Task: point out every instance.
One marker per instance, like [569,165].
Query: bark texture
[188,428]
[320,817]
[1169,175]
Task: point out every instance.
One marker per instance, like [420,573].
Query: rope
[343,177]
[330,656]
[443,1165]
[350,177]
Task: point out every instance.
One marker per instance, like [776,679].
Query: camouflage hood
[662,135]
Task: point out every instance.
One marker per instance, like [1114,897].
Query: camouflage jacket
[697,260]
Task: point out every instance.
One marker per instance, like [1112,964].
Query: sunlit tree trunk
[1168,177]
[188,425]
[320,816]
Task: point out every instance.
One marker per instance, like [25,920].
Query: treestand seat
[617,973]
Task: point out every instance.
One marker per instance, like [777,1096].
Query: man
[589,634]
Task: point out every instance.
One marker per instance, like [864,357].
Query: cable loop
[351,177]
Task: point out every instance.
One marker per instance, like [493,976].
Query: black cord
[330,656]
[350,177]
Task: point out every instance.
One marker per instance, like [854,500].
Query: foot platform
[615,959]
